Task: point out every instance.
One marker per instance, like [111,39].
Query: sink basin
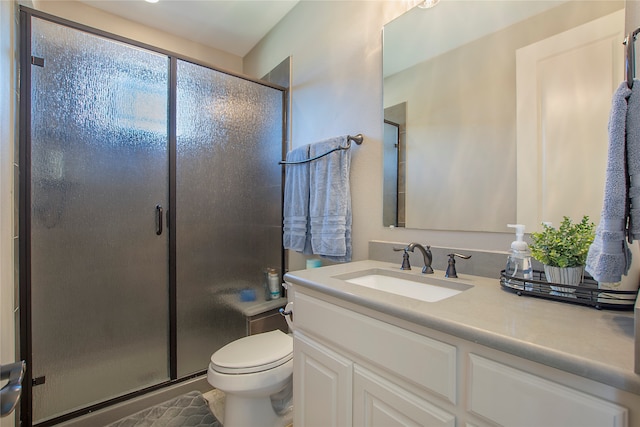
[424,288]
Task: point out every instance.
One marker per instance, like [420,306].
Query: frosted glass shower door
[99,185]
[228,207]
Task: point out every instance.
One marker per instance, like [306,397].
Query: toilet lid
[254,353]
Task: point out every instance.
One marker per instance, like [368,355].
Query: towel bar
[357,139]
[630,57]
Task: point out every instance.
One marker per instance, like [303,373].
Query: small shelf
[587,293]
[252,308]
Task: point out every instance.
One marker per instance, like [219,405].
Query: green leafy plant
[566,246]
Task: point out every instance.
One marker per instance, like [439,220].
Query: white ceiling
[234,26]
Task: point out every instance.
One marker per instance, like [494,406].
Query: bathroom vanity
[481,356]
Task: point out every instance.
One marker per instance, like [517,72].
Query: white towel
[295,234]
[330,200]
[609,257]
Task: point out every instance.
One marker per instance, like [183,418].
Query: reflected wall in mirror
[506,107]
[395,119]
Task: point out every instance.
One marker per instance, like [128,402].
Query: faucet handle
[451,268]
[427,269]
[405,259]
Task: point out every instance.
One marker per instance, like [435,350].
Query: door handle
[10,393]
[159,212]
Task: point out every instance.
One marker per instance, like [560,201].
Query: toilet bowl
[249,371]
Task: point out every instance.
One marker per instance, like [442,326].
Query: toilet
[250,371]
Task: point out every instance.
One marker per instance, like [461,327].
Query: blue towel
[633,161]
[295,234]
[330,200]
[609,257]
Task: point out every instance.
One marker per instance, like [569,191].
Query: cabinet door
[511,397]
[322,384]
[378,402]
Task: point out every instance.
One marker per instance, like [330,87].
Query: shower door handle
[159,212]
[10,393]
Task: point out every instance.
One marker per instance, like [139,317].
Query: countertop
[595,344]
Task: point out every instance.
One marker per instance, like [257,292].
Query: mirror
[496,112]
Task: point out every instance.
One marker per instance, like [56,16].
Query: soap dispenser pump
[519,261]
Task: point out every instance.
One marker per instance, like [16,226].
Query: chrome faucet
[426,255]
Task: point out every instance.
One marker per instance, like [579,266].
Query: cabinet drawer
[512,397]
[417,359]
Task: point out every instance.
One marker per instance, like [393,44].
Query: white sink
[425,288]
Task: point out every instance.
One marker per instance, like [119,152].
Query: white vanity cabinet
[351,369]
[354,366]
[332,390]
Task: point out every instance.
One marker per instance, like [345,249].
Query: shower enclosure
[150,196]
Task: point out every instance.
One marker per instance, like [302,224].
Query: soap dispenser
[519,261]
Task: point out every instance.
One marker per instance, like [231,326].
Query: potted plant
[563,251]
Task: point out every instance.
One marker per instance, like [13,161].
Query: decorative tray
[587,293]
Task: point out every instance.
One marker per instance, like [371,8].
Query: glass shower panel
[99,270]
[229,209]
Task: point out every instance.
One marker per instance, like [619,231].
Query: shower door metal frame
[24,203]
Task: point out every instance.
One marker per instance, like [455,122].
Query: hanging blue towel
[633,161]
[609,257]
[330,200]
[296,203]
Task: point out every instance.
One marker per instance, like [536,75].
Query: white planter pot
[565,276]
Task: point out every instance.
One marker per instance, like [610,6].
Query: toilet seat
[254,353]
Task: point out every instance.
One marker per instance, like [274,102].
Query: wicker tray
[587,293]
